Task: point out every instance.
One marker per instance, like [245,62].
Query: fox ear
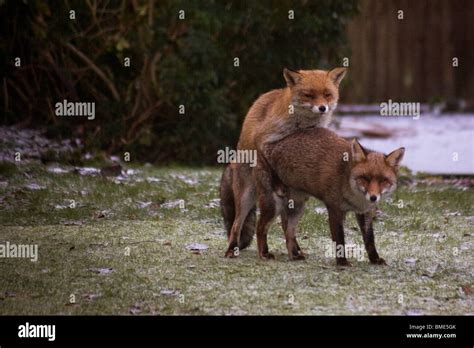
[358,152]
[394,158]
[337,75]
[291,77]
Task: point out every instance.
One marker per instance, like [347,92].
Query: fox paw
[298,257]
[343,263]
[379,261]
[230,254]
[267,256]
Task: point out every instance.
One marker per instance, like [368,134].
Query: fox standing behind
[308,100]
[344,175]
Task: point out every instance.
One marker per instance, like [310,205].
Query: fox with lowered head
[342,174]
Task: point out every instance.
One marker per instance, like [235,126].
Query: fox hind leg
[244,193]
[268,204]
[227,203]
[336,225]
[242,209]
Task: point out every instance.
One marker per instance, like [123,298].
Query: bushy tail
[228,210]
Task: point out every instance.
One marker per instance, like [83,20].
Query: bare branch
[96,69]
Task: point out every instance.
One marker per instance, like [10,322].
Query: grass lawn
[119,246]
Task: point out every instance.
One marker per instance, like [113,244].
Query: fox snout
[320,109]
[373,191]
[372,197]
[317,108]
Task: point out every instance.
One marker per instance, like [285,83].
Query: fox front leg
[293,215]
[267,215]
[366,227]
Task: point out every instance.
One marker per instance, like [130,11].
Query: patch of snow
[171,204]
[320,211]
[185,179]
[414,312]
[88,171]
[57,170]
[34,186]
[214,203]
[432,143]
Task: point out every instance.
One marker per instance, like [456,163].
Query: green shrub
[173,62]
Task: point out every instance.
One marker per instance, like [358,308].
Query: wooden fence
[411,59]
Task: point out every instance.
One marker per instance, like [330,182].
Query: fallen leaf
[102,270]
[214,203]
[170,292]
[466,290]
[135,310]
[143,204]
[101,214]
[197,247]
[410,260]
[431,271]
[72,223]
[90,297]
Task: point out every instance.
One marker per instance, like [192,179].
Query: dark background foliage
[174,62]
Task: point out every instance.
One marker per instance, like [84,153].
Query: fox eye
[328,95]
[365,178]
[308,95]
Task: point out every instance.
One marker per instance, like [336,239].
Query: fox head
[314,91]
[373,174]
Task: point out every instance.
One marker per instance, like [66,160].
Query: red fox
[344,175]
[308,100]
